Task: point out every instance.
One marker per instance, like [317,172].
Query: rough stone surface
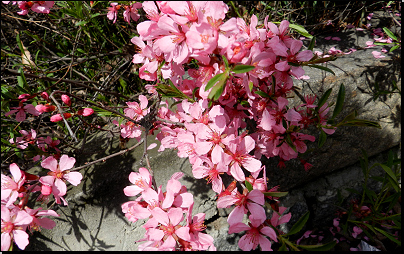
[94,219]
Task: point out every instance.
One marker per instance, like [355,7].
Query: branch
[109,156]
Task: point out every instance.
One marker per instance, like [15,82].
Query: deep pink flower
[27,138]
[58,117]
[20,110]
[278,219]
[13,226]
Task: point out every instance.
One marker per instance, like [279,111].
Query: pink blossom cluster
[47,145]
[166,228]
[16,216]
[213,134]
[130,13]
[36,6]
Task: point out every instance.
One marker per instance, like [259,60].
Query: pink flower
[112,14]
[24,6]
[256,234]
[136,111]
[169,229]
[199,240]
[278,219]
[42,6]
[142,181]
[211,172]
[239,149]
[357,231]
[27,138]
[248,201]
[20,110]
[10,187]
[13,226]
[59,173]
[38,222]
[131,12]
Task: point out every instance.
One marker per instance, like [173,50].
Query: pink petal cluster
[166,211]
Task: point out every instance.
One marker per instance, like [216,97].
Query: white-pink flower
[10,186]
[13,225]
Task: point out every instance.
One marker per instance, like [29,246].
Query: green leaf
[248,185]
[321,68]
[290,142]
[301,30]
[361,122]
[169,91]
[262,94]
[324,98]
[394,48]
[226,63]
[322,139]
[283,247]
[83,22]
[293,64]
[340,101]
[276,194]
[22,82]
[299,224]
[389,33]
[242,68]
[312,43]
[323,247]
[217,90]
[390,236]
[215,79]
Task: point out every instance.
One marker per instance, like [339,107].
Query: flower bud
[58,117]
[46,190]
[85,112]
[45,96]
[66,99]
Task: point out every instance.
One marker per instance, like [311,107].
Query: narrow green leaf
[301,30]
[262,94]
[290,143]
[226,63]
[324,98]
[242,68]
[80,23]
[389,33]
[283,247]
[394,48]
[312,43]
[340,101]
[276,194]
[22,82]
[381,43]
[323,247]
[299,224]
[213,80]
[391,237]
[322,139]
[361,122]
[248,185]
[217,90]
[321,68]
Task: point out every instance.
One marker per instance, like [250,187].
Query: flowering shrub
[232,110]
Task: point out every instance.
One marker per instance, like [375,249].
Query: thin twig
[109,156]
[61,113]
